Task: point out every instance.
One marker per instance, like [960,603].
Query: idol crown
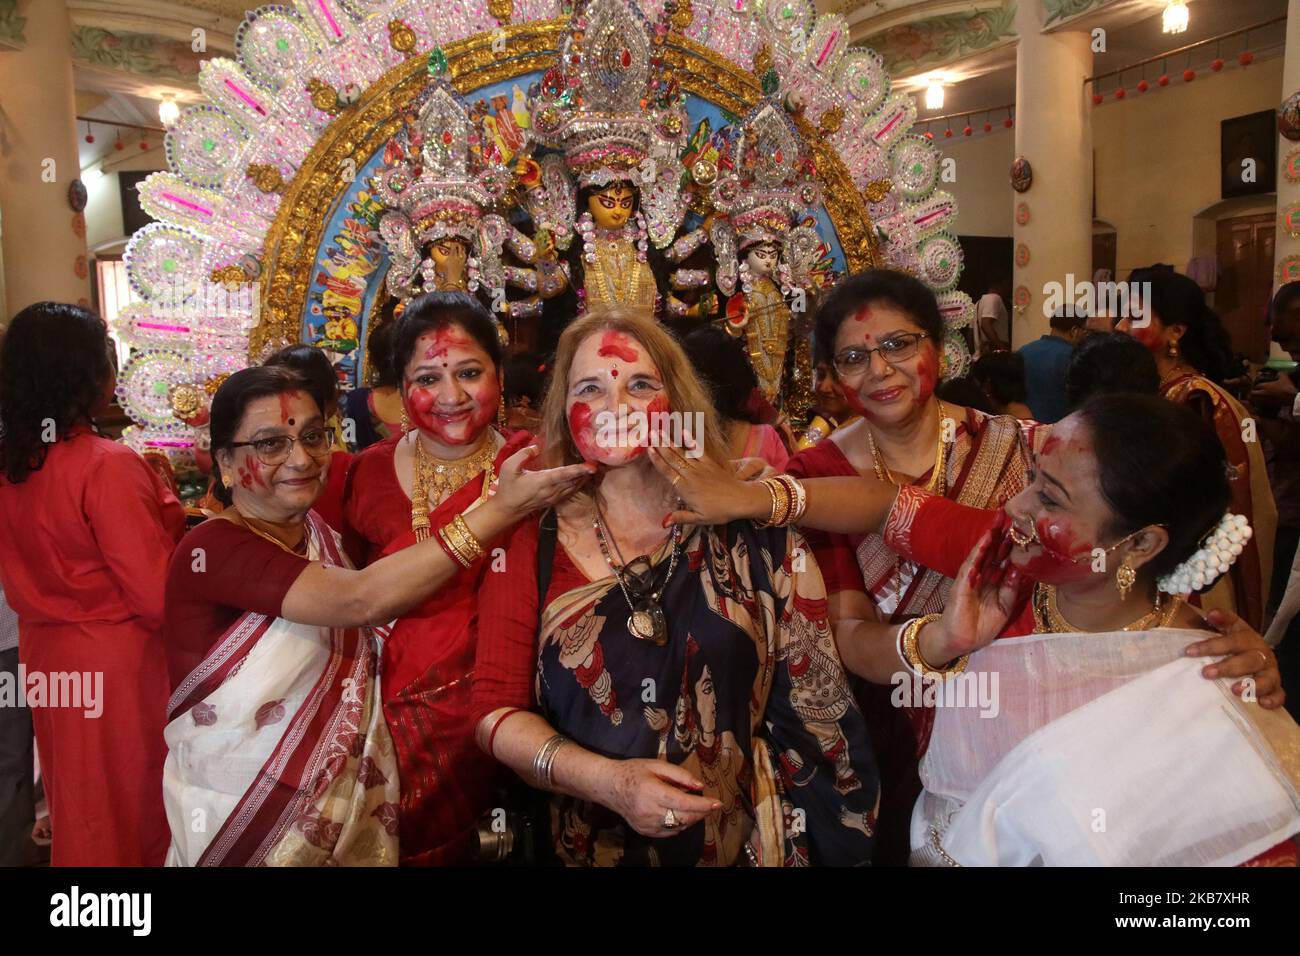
[606,102]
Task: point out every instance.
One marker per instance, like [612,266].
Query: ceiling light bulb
[934,95]
[1174,19]
[168,112]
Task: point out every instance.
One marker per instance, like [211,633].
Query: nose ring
[1020,536]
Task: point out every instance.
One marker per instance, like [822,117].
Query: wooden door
[1245,253]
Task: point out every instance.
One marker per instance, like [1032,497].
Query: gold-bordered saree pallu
[748,694]
[278,754]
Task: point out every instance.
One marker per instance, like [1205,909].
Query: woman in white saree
[278,750]
[1074,723]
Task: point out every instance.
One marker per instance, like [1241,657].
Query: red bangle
[500,720]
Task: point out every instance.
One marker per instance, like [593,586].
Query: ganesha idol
[764,259]
[620,126]
[443,182]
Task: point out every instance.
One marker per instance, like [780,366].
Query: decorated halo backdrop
[268,226]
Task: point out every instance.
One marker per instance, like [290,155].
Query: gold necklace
[1048,618]
[444,477]
[247,522]
[1177,371]
[938,480]
[936,485]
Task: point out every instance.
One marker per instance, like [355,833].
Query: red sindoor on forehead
[618,345]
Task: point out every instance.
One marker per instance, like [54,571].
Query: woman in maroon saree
[448,353]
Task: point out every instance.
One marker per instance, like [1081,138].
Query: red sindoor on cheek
[1062,556]
[584,439]
[854,401]
[927,377]
[250,474]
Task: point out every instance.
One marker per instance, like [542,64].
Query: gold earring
[1124,578]
[226,482]
[501,412]
[406,424]
[1173,350]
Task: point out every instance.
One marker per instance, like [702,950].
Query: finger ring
[670,819]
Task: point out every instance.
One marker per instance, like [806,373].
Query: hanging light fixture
[1174,19]
[934,92]
[168,111]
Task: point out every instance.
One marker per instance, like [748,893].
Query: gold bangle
[446,534]
[912,651]
[474,546]
[798,496]
[770,520]
[781,517]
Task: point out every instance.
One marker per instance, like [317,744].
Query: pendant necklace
[647,621]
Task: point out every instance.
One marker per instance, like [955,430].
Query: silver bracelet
[544,761]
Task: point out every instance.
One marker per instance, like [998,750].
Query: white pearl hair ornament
[1219,548]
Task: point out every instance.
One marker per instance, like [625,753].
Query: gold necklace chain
[938,480]
[1048,618]
[444,477]
[248,523]
[936,485]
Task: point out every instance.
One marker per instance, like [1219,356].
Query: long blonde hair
[685,391]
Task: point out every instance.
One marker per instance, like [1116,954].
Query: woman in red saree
[1191,352]
[86,530]
[881,333]
[447,349]
[1122,497]
[279,754]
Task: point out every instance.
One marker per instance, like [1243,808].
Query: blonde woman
[676,689]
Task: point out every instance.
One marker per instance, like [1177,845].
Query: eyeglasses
[275,450]
[897,348]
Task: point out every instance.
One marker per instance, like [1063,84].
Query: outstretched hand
[1245,654]
[521,491]
[984,595]
[711,492]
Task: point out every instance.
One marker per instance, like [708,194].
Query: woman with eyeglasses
[86,531]
[881,333]
[1075,721]
[278,750]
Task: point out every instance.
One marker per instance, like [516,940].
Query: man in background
[992,321]
[1046,362]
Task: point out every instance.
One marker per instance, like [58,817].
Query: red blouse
[507,622]
[219,572]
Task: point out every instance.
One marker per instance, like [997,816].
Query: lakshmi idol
[442,467]
[443,178]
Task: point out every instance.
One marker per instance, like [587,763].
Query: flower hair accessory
[1218,550]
